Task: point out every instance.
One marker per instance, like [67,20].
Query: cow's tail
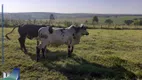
[11,32]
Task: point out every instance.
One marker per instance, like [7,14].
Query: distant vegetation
[128,22]
[108,21]
[64,20]
[95,20]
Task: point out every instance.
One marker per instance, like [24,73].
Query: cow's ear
[50,30]
[81,25]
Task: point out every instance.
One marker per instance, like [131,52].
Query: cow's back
[60,37]
[30,31]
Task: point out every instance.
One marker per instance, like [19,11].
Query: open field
[104,54]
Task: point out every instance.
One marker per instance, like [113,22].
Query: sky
[74,6]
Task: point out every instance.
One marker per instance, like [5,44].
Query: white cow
[59,36]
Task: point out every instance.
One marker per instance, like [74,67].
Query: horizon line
[76,13]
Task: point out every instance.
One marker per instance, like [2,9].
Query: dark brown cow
[29,31]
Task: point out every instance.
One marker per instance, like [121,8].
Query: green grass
[104,54]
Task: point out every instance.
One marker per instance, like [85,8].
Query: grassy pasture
[104,54]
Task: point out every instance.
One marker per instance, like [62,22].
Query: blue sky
[74,6]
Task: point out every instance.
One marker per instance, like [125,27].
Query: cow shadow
[50,55]
[82,69]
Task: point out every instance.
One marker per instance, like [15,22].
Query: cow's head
[83,30]
[80,31]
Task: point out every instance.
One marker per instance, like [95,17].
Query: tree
[128,22]
[108,21]
[137,22]
[140,22]
[86,22]
[95,19]
[52,18]
[135,19]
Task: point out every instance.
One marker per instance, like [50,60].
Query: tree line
[135,21]
[52,21]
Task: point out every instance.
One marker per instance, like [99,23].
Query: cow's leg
[69,50]
[37,53]
[72,49]
[43,52]
[24,47]
[46,50]
[22,43]
[44,43]
[42,47]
